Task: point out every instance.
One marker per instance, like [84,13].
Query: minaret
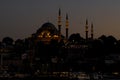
[67,24]
[91,30]
[59,21]
[86,29]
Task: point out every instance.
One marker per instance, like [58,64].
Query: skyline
[20,19]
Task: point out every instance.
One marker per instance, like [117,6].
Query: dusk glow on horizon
[21,18]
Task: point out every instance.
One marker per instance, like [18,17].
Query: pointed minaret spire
[86,29]
[91,30]
[59,21]
[67,24]
[59,12]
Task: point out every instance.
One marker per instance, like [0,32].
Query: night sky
[21,18]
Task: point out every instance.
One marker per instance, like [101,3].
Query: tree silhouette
[109,44]
[19,47]
[1,45]
[7,41]
[75,38]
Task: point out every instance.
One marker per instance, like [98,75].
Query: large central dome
[47,32]
[48,27]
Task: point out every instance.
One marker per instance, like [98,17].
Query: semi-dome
[48,27]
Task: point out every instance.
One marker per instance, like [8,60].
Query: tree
[75,37]
[109,43]
[1,45]
[19,46]
[7,41]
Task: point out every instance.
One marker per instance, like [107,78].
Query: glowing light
[55,36]
[116,73]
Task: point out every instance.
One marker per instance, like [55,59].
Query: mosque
[48,31]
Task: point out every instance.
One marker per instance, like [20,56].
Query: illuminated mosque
[48,31]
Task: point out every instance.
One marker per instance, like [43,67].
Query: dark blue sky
[21,18]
